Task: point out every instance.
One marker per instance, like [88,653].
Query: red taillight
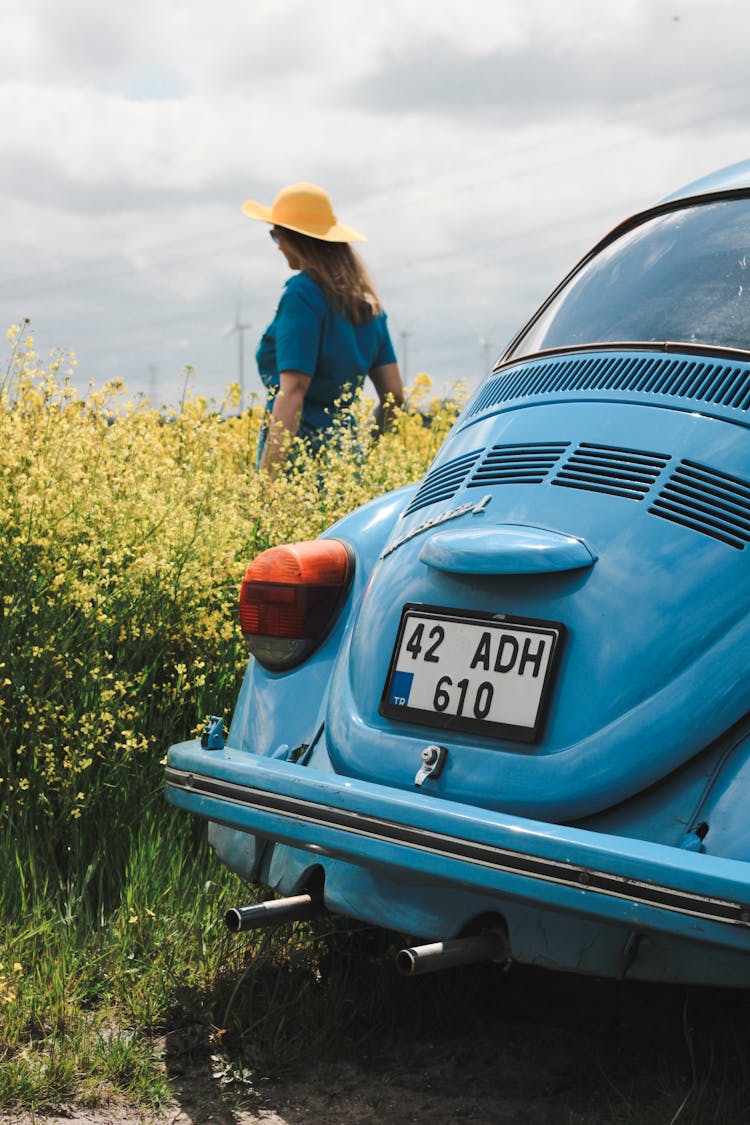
[290,598]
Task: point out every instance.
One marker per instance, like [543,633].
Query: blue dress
[307,334]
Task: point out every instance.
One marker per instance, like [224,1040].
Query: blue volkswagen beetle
[506,710]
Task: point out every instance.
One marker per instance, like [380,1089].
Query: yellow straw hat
[307,209]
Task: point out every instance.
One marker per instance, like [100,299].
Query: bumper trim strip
[498,858]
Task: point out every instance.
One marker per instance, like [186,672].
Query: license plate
[480,673]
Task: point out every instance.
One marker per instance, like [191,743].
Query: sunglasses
[274,236]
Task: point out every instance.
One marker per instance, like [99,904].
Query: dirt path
[555,1050]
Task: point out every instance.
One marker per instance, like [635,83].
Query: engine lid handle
[505,549]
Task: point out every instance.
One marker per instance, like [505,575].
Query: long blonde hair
[340,273]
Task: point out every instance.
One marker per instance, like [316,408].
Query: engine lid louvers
[443,482]
[714,503]
[694,496]
[640,376]
[619,472]
[517,464]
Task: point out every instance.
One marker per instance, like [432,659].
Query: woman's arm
[390,390]
[285,416]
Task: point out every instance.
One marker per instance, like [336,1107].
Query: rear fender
[278,712]
[722,820]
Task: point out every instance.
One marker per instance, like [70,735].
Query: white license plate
[483,673]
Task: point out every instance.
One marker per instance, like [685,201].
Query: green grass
[122,1006]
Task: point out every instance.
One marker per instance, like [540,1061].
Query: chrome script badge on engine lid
[476,672]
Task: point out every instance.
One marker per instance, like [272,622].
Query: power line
[646,110]
[108,261]
[188,316]
[649,110]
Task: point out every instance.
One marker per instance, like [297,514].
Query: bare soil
[552,1049]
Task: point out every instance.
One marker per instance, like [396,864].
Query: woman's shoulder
[301,287]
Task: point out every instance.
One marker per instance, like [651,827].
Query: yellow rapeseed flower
[137,530]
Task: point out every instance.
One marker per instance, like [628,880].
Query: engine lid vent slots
[714,503]
[443,482]
[517,464]
[617,472]
[723,382]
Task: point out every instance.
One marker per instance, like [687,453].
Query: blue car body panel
[724,179]
[596,495]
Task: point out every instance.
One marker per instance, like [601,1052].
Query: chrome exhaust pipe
[298,908]
[487,946]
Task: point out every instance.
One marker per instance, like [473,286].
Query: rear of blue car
[504,711]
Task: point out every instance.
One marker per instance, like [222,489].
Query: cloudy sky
[481,145]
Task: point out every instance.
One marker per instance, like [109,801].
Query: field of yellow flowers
[124,534]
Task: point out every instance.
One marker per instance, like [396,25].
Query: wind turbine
[240,327]
[486,347]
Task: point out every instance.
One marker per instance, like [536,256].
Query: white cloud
[482,148]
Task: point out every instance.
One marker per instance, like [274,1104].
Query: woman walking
[329,331]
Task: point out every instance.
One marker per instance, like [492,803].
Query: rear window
[679,277]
